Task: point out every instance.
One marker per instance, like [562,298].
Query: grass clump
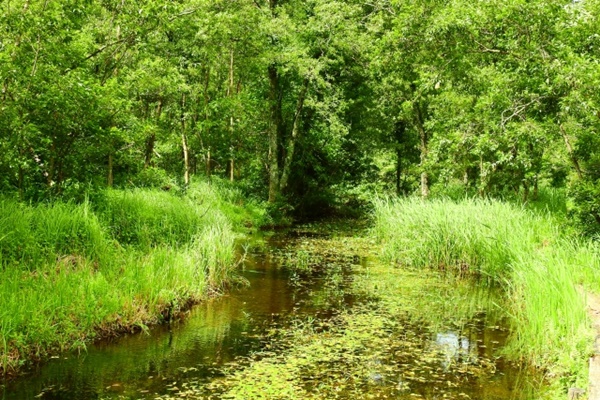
[73,272]
[147,217]
[482,237]
[243,212]
[31,236]
[525,251]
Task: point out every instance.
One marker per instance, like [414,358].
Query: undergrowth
[70,272]
[525,250]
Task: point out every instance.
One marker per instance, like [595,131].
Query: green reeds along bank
[545,274]
[70,273]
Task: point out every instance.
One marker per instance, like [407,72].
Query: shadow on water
[221,330]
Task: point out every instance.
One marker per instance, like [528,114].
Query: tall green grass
[73,272]
[146,217]
[477,236]
[243,212]
[545,273]
[30,236]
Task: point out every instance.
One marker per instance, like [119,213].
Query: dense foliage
[306,103]
[70,272]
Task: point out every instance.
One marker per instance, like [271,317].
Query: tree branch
[182,14]
[95,53]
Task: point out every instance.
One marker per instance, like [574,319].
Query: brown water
[222,330]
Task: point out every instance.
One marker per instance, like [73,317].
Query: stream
[298,279]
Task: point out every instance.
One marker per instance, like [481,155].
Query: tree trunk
[574,159]
[398,172]
[399,131]
[483,181]
[231,165]
[149,150]
[289,155]
[21,179]
[275,127]
[184,145]
[51,166]
[230,91]
[152,139]
[206,117]
[424,184]
[109,178]
[208,164]
[423,146]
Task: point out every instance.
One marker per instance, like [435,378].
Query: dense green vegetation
[74,272]
[543,271]
[120,122]
[310,104]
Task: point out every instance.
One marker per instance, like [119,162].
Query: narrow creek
[304,287]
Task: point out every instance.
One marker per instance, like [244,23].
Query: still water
[222,330]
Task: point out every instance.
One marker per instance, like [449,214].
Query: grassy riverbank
[544,270]
[70,273]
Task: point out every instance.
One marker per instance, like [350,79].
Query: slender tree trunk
[109,178]
[4,90]
[275,126]
[186,162]
[208,164]
[231,164]
[482,177]
[399,132]
[230,90]
[398,172]
[424,149]
[152,139]
[206,117]
[274,130]
[424,184]
[149,150]
[35,58]
[184,145]
[574,159]
[51,166]
[289,155]
[21,179]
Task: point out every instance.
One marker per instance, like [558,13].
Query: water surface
[225,330]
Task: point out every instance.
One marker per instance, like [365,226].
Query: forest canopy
[306,103]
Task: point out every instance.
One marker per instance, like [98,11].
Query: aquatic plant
[418,335]
[524,251]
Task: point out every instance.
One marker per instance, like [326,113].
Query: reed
[482,237]
[544,271]
[70,273]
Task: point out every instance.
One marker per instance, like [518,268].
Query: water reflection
[213,334]
[454,348]
[221,330]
